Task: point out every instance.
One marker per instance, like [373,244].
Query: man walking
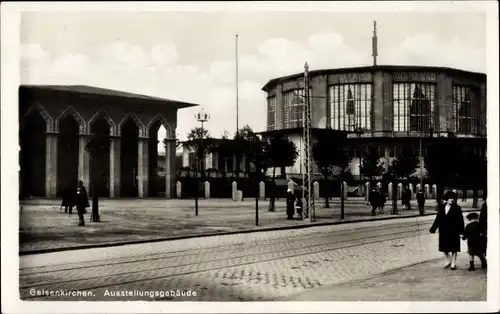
[406,198]
[82,201]
[374,200]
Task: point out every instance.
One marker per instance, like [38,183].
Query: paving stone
[263,266]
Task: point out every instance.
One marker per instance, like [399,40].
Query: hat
[448,195]
[472,216]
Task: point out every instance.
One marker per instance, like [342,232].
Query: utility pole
[307,147]
[237,89]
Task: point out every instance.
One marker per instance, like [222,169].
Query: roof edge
[368,68]
[98,92]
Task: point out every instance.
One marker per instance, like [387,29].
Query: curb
[321,224]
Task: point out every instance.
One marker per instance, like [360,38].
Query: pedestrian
[374,200]
[483,224]
[299,206]
[290,204]
[475,242]
[381,201]
[421,202]
[81,201]
[406,198]
[450,222]
[68,200]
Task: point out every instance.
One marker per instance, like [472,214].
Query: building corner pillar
[83,160]
[143,165]
[114,167]
[51,165]
[170,176]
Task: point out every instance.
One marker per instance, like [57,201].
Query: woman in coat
[450,222]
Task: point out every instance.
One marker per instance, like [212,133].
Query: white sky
[190,56]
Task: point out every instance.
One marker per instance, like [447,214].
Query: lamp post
[431,132]
[201,117]
[359,132]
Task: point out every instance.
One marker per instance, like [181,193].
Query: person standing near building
[450,222]
[483,224]
[82,201]
[421,202]
[405,198]
[290,204]
[300,207]
[68,200]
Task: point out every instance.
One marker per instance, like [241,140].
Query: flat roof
[388,68]
[103,92]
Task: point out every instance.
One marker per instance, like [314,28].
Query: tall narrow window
[466,111]
[294,101]
[420,110]
[271,113]
[350,106]
[413,107]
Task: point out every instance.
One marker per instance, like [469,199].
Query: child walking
[475,241]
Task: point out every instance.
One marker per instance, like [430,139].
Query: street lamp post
[201,117]
[431,131]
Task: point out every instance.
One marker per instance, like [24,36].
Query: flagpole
[237,95]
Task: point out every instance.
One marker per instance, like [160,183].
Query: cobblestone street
[43,225]
[255,266]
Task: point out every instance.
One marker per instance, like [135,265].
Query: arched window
[350,106]
[413,107]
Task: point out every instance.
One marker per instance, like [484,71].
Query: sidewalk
[427,281]
[44,227]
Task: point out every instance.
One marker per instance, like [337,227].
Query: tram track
[210,249]
[233,261]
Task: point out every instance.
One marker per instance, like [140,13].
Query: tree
[281,152]
[402,168]
[199,140]
[341,158]
[97,145]
[473,171]
[442,161]
[324,160]
[201,143]
[240,145]
[372,166]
